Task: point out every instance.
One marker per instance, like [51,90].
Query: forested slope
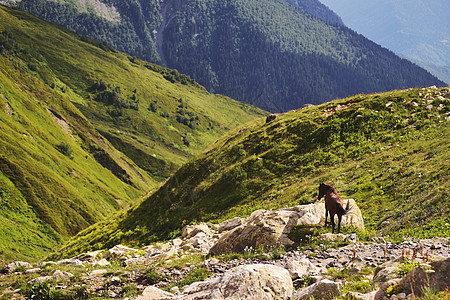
[277,55]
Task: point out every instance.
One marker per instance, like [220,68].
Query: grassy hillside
[389,152]
[86,130]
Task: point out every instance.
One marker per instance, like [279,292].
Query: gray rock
[435,276]
[98,272]
[119,251]
[70,261]
[33,271]
[189,231]
[153,293]
[89,256]
[325,289]
[61,275]
[271,228]
[102,262]
[259,281]
[301,267]
[12,267]
[230,224]
[115,280]
[261,229]
[41,279]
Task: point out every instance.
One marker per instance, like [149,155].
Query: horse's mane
[328,187]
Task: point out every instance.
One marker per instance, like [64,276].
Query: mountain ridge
[271,54]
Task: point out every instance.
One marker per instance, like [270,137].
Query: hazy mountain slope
[276,57]
[59,171]
[416,29]
[387,151]
[268,53]
[317,9]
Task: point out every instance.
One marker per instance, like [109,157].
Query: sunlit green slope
[389,152]
[86,130]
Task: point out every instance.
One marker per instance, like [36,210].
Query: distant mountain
[317,9]
[87,130]
[387,151]
[264,52]
[416,29]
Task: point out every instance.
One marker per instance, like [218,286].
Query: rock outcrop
[266,228]
[258,281]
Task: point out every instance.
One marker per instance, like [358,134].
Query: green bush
[65,149]
[152,276]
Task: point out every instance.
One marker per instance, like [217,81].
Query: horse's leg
[339,222]
[332,222]
[326,216]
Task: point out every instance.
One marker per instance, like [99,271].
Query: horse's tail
[341,211]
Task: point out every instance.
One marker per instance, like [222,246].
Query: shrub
[65,149]
[39,291]
[194,275]
[130,290]
[152,276]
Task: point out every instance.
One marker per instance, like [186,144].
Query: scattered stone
[115,280]
[61,275]
[12,267]
[189,231]
[89,256]
[70,261]
[102,262]
[271,227]
[325,289]
[98,272]
[435,275]
[154,293]
[33,271]
[119,251]
[299,268]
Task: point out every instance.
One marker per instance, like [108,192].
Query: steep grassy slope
[155,115]
[269,53]
[388,151]
[57,174]
[67,105]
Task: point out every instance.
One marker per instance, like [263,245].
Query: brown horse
[333,204]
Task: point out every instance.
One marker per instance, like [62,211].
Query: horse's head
[323,189]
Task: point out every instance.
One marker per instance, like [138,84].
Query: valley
[124,179]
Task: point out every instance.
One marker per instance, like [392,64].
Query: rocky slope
[319,265]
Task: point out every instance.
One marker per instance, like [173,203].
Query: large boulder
[324,290]
[435,275]
[271,227]
[258,281]
[261,229]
